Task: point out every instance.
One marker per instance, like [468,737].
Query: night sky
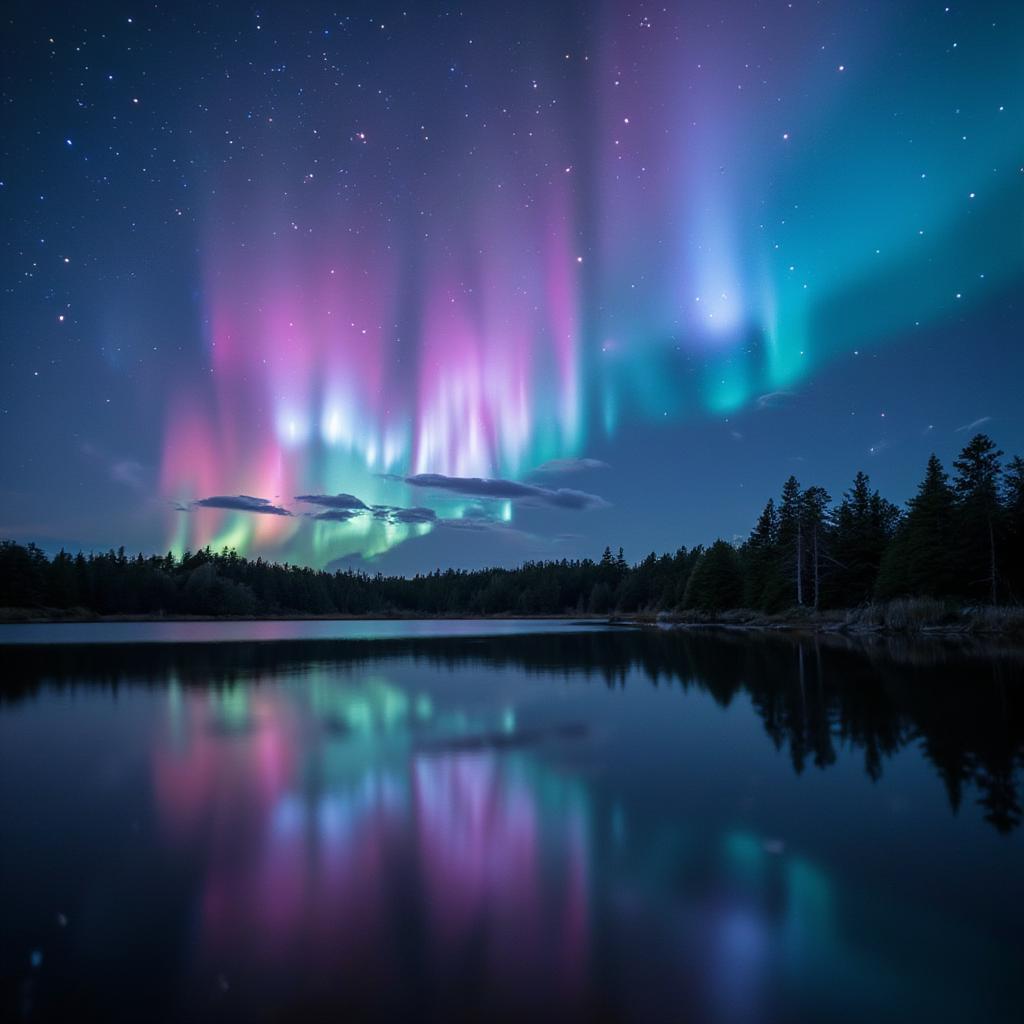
[398,287]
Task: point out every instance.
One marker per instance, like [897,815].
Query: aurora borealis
[405,286]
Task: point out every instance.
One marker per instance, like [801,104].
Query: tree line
[960,539]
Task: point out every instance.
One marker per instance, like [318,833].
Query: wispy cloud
[129,472]
[511,490]
[566,466]
[974,424]
[773,399]
[242,503]
[478,522]
[122,470]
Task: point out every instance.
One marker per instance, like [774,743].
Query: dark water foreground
[565,824]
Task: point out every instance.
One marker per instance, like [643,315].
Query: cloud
[242,503]
[974,424]
[397,514]
[773,399]
[122,470]
[477,523]
[472,519]
[340,501]
[473,486]
[414,515]
[473,525]
[129,472]
[572,465]
[341,508]
[511,490]
[338,515]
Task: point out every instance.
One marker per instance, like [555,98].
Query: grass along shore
[903,616]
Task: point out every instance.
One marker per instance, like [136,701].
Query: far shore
[9,616]
[911,617]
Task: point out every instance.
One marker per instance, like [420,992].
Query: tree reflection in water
[963,705]
[475,828]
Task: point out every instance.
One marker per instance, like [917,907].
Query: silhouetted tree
[864,524]
[716,583]
[920,559]
[814,504]
[1013,505]
[791,537]
[22,579]
[979,517]
[762,578]
[960,541]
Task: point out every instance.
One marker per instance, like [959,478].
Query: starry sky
[404,286]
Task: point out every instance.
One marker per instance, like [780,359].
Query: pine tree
[791,539]
[814,504]
[864,525]
[979,518]
[761,582]
[62,591]
[716,583]
[621,565]
[919,561]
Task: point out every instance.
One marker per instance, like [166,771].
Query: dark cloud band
[242,503]
[346,501]
[510,490]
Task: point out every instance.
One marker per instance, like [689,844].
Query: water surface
[235,630]
[537,821]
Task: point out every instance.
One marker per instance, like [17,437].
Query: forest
[959,540]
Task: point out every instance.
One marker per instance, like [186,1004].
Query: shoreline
[1006,623]
[985,622]
[37,619]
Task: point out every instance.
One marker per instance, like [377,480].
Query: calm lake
[506,820]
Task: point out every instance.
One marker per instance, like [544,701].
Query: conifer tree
[716,583]
[864,525]
[791,539]
[761,580]
[920,562]
[814,504]
[979,518]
